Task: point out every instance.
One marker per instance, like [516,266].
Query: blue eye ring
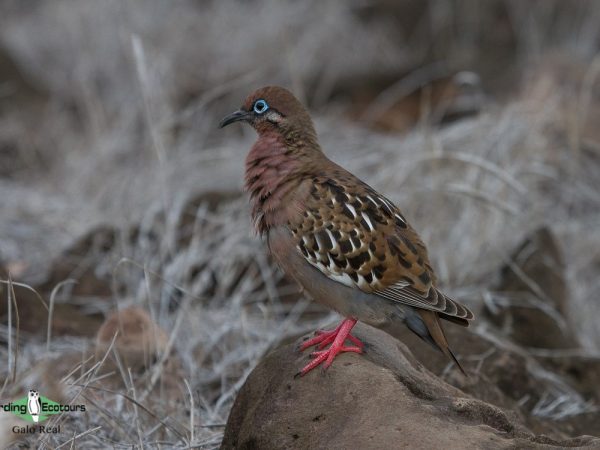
[260,106]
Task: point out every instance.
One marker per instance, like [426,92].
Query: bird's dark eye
[260,106]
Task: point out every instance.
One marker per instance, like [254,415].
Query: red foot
[336,338]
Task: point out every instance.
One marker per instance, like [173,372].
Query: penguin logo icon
[33,405]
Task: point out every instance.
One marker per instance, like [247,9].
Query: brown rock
[32,309]
[399,103]
[140,345]
[581,370]
[382,399]
[79,261]
[506,375]
[533,311]
[22,104]
[74,273]
[139,341]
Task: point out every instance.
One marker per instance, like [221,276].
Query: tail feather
[436,335]
[456,320]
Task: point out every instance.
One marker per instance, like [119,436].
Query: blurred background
[121,204]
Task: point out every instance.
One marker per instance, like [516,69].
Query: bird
[346,245]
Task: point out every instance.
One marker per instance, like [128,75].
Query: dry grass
[127,140]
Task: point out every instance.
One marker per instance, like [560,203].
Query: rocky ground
[130,279]
[405,395]
[386,399]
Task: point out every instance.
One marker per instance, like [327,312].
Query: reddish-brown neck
[273,170]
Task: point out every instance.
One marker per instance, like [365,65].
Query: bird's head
[274,109]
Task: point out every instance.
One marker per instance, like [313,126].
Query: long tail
[436,335]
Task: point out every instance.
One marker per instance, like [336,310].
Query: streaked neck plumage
[276,166]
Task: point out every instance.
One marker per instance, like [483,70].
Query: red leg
[321,336]
[329,339]
[337,339]
[324,338]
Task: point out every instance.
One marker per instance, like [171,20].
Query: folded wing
[359,238]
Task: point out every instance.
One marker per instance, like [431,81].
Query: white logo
[33,405]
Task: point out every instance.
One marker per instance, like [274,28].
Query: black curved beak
[235,116]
